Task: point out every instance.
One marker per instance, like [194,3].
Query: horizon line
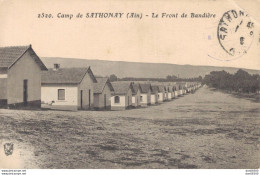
[150,62]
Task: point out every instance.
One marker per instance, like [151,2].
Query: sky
[178,40]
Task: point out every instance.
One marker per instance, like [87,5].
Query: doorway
[89,97]
[105,101]
[25,92]
[81,99]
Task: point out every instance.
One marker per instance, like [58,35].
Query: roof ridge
[64,75]
[26,49]
[86,71]
[15,46]
[102,77]
[72,68]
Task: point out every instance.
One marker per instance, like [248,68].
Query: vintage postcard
[133,84]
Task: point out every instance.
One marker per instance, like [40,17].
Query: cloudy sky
[159,40]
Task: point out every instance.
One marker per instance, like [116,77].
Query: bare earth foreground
[208,129]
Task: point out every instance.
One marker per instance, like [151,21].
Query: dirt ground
[208,129]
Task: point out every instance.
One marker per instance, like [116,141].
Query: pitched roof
[169,88]
[162,88]
[100,85]
[10,55]
[155,89]
[66,75]
[145,88]
[175,87]
[136,86]
[181,83]
[122,87]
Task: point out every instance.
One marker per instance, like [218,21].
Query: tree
[241,81]
[113,77]
[171,78]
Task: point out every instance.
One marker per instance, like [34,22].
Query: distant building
[166,93]
[176,90]
[173,89]
[154,94]
[20,77]
[182,88]
[68,88]
[102,94]
[188,87]
[169,92]
[161,93]
[193,87]
[145,98]
[121,98]
[136,95]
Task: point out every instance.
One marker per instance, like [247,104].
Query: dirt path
[207,129]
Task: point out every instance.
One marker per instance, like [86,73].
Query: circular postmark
[235,32]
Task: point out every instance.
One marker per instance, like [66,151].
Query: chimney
[56,66]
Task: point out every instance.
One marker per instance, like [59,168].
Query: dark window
[89,97]
[141,98]
[81,99]
[61,94]
[56,66]
[117,99]
[25,91]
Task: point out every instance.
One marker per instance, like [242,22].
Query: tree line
[241,81]
[169,78]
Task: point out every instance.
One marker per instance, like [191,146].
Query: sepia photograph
[134,84]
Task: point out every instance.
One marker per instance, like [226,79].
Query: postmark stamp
[235,33]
